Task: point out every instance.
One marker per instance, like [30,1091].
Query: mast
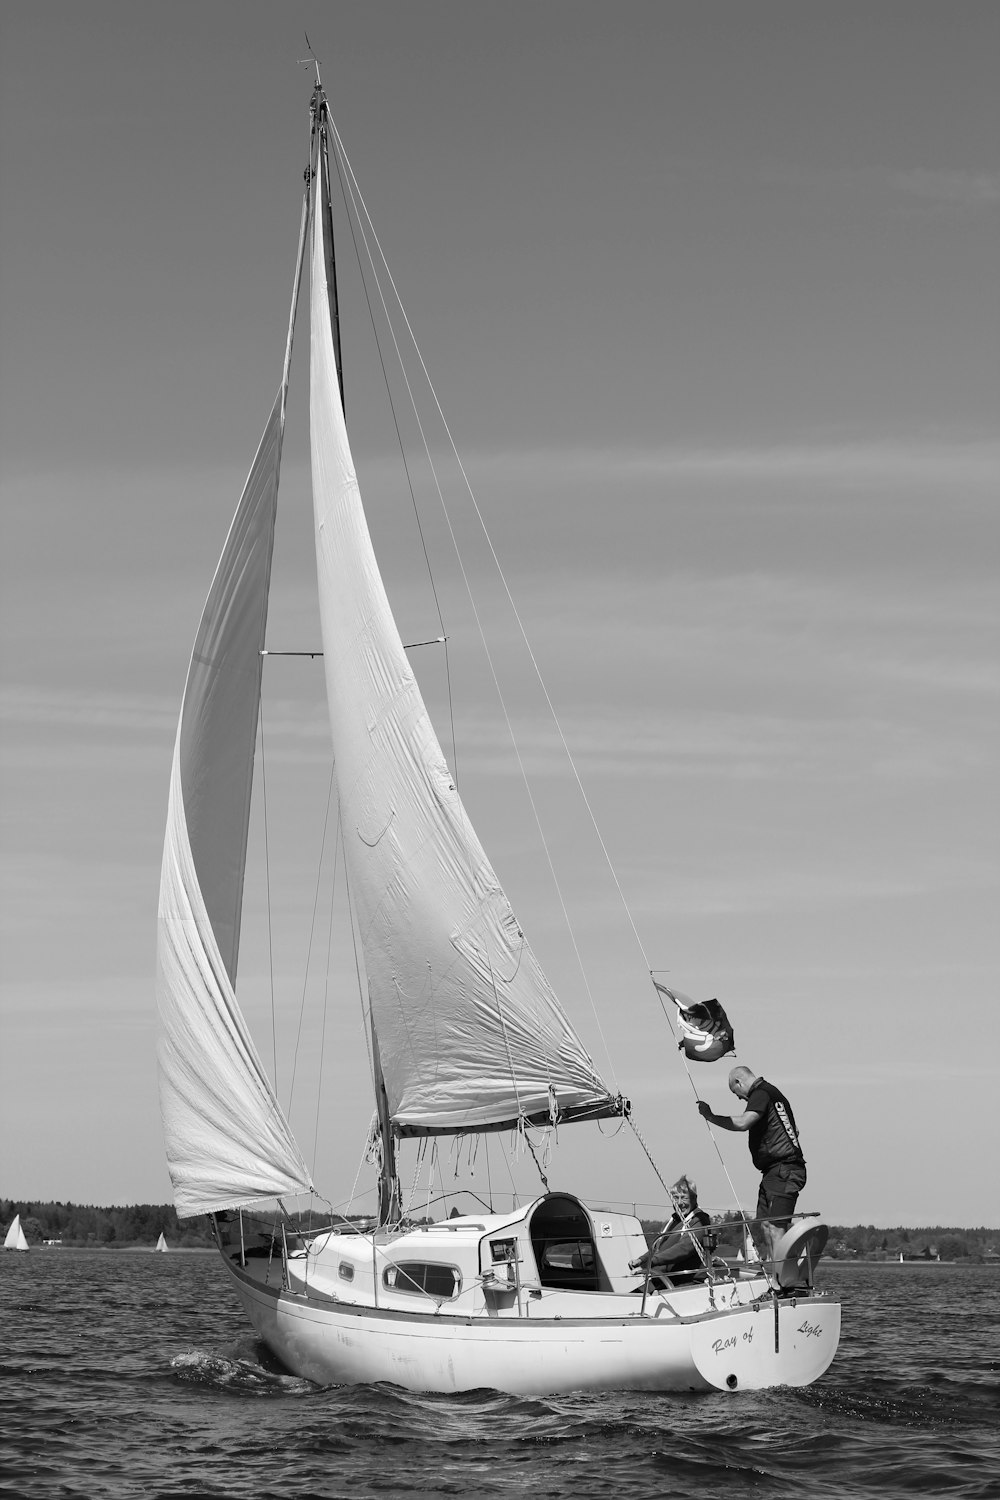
[389,1205]
[470,1034]
[322,125]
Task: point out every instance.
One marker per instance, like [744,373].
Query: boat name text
[720,1345]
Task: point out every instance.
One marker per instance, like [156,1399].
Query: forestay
[470,1033]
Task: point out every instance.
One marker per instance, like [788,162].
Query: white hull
[751,1346]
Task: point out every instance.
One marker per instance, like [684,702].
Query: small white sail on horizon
[15,1238]
[161,1243]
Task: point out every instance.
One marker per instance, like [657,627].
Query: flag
[703,1025]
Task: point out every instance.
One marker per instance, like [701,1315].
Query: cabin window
[568,1255]
[423,1279]
[345,1271]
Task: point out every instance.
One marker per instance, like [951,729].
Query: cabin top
[554,1242]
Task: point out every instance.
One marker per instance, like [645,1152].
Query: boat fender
[797,1252]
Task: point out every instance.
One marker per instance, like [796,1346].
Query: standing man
[774,1149]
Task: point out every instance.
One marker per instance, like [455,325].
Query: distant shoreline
[131,1249]
[887,1260]
[828,1260]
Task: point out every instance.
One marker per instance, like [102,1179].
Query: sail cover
[470,1034]
[226,1138]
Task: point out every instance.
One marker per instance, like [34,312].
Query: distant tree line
[865,1242]
[143,1223]
[86,1225]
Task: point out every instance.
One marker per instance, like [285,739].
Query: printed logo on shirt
[782,1114]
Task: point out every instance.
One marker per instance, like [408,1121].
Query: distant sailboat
[466,1035]
[161,1243]
[14,1239]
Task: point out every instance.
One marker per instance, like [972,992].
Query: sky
[708,293]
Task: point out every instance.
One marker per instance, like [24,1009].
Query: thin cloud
[697,744]
[21,704]
[852,464]
[62,708]
[958,188]
[752,891]
[922,460]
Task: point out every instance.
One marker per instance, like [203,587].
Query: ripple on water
[128,1376]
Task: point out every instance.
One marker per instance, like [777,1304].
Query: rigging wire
[352,193]
[349,183]
[312,931]
[359,198]
[349,186]
[411,1196]
[489,1177]
[326,996]
[534,1158]
[372,1130]
[285,373]
[694,1090]
[365,1013]
[340,160]
[267,887]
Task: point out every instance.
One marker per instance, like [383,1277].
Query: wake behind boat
[466,1035]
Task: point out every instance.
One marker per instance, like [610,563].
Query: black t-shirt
[774,1137]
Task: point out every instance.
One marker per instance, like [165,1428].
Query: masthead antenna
[312,60]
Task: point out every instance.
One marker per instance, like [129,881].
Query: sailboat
[15,1239]
[161,1243]
[466,1036]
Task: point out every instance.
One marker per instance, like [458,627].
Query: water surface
[129,1373]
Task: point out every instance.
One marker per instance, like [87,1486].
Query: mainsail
[227,1140]
[470,1033]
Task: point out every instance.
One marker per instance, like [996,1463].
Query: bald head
[741,1081]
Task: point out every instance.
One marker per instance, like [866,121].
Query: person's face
[681,1199]
[737,1088]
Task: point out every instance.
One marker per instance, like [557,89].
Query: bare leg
[764,1239]
[770,1235]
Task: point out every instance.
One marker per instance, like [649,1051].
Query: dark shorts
[780,1187]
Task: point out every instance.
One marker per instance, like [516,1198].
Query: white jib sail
[227,1140]
[469,1030]
[15,1239]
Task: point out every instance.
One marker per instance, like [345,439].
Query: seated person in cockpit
[677,1252]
